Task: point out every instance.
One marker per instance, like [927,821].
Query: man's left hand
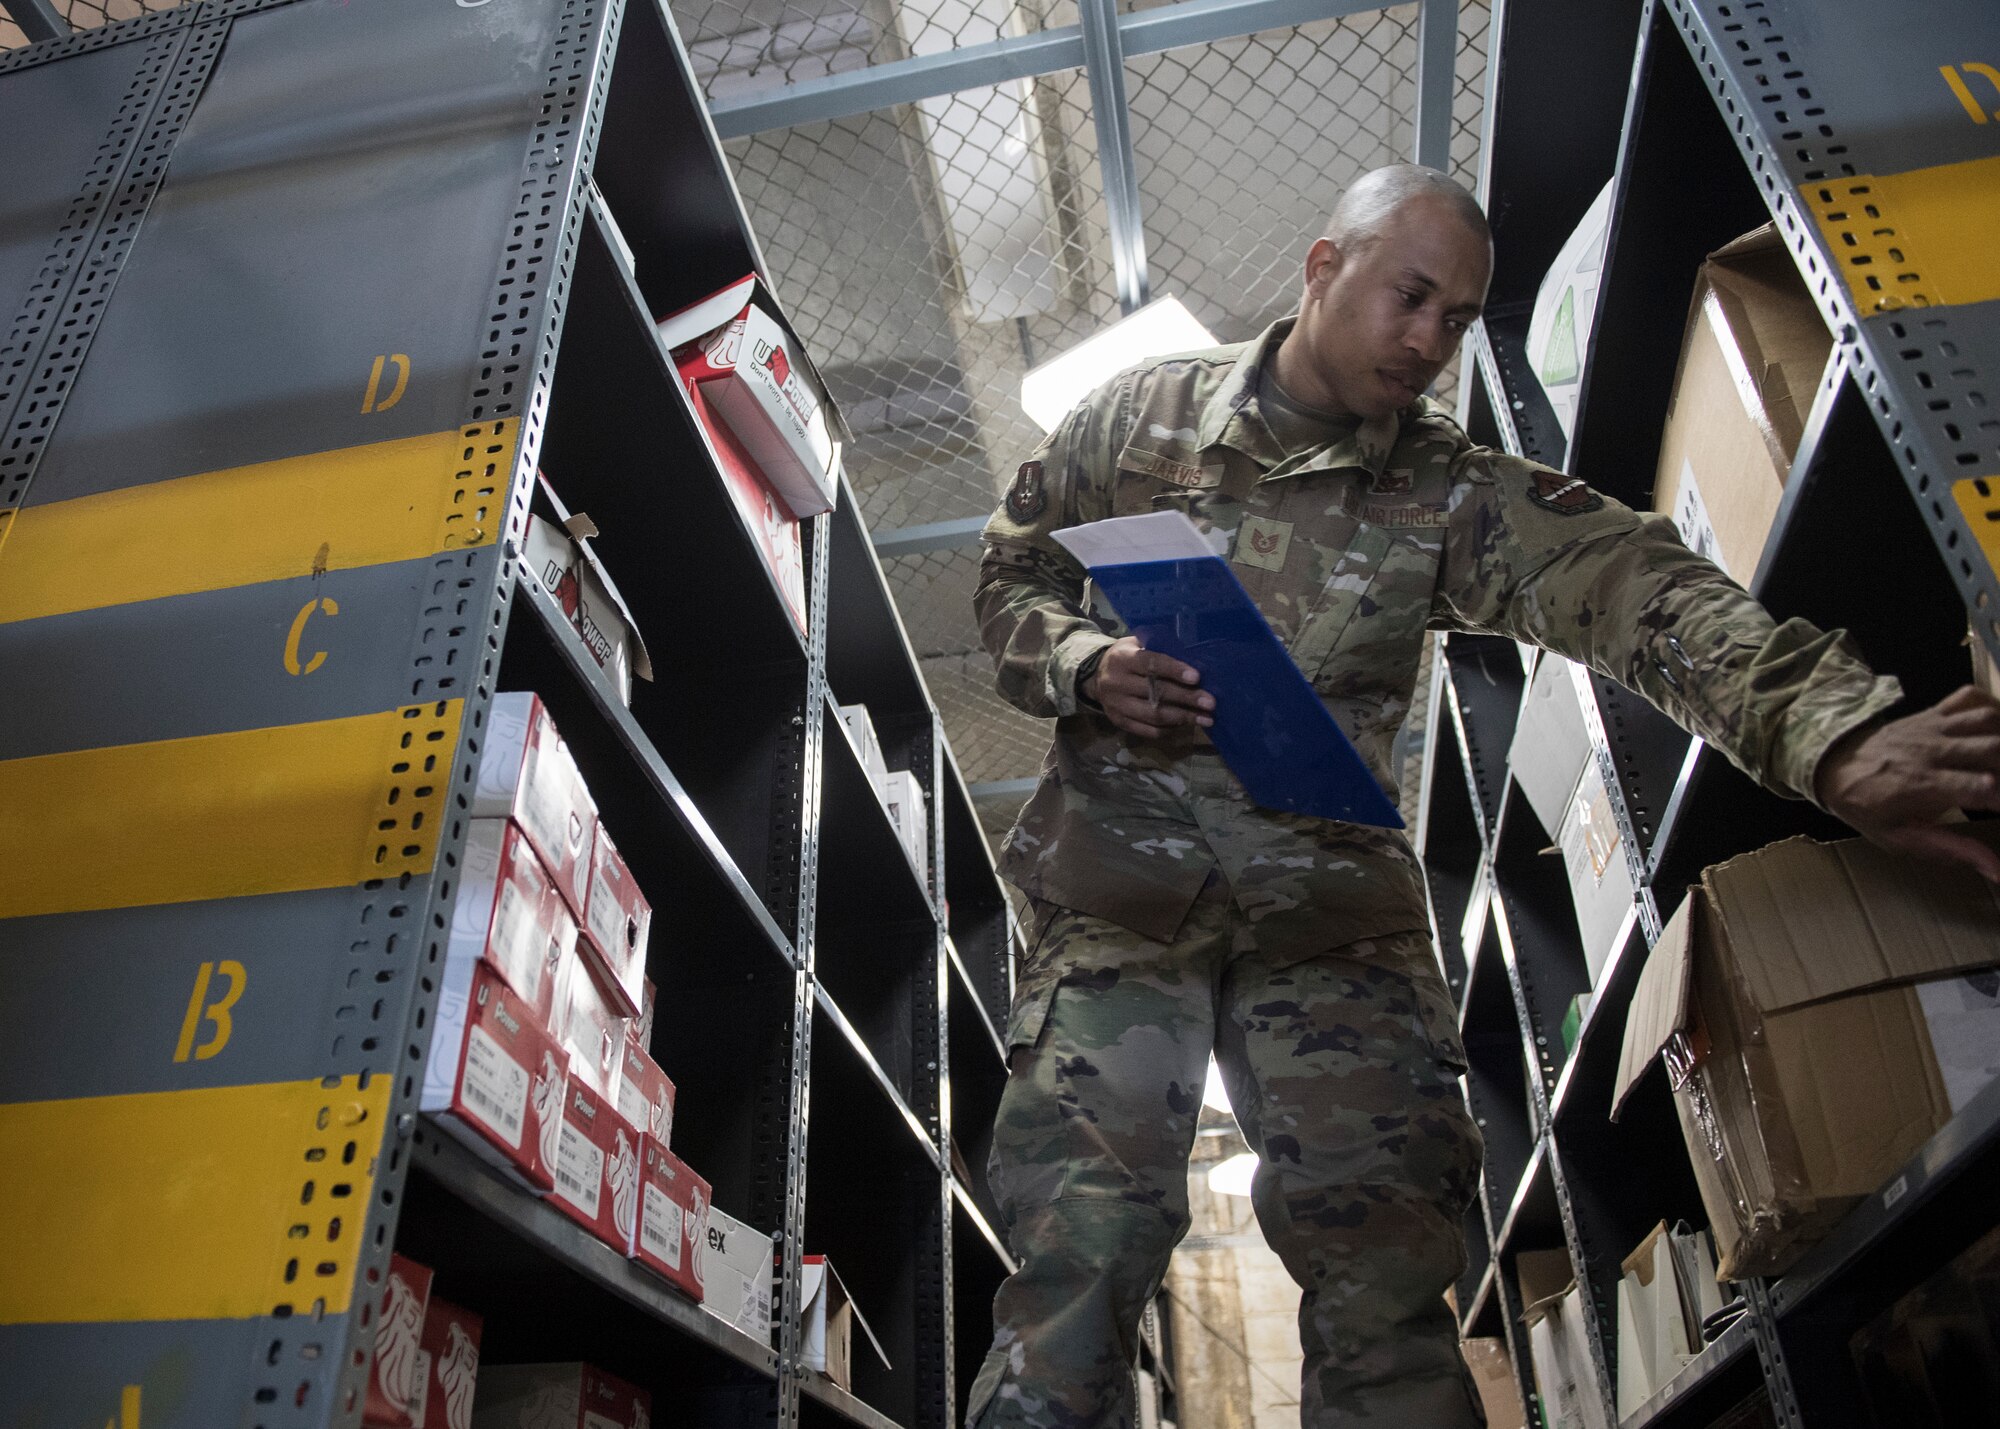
[1894,782]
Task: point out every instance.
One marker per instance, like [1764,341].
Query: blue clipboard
[1270,727]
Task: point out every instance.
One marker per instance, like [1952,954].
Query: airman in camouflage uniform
[1172,915]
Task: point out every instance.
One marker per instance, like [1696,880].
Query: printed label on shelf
[579,1170]
[661,1229]
[495,1086]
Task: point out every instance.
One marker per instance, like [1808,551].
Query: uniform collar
[1232,418]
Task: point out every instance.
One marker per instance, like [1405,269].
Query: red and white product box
[526,774]
[619,921]
[590,1027]
[558,1396]
[597,1166]
[451,1366]
[559,555]
[510,914]
[642,1029]
[749,365]
[396,1376]
[776,531]
[495,1077]
[673,1220]
[645,1094]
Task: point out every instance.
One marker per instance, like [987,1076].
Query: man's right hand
[1150,708]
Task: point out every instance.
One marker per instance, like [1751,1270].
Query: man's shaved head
[1359,216]
[1389,293]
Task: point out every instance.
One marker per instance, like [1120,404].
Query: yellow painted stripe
[1978,499]
[272,810]
[358,506]
[187,1205]
[1915,239]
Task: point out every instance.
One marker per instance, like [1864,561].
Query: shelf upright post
[936,1396]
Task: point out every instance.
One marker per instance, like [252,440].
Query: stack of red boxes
[541,1055]
[426,1364]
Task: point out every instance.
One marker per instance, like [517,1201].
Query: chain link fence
[85,15]
[933,252]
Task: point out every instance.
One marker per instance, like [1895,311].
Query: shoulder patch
[1562,494]
[1027,494]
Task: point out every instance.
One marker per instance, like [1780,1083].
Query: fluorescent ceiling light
[1213,1093]
[1163,326]
[1232,1177]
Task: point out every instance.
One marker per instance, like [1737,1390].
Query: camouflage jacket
[1352,551]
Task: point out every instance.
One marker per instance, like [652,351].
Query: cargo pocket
[1437,1014]
[1030,1012]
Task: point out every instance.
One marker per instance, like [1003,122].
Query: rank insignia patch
[1263,543]
[1564,495]
[1026,496]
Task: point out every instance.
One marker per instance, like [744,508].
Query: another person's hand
[1147,694]
[1894,782]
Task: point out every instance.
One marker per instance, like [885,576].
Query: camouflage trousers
[1342,1070]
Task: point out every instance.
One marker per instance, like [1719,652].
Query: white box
[1668,1290]
[1551,742]
[861,734]
[905,802]
[830,1315]
[1600,880]
[754,372]
[741,1266]
[1566,308]
[590,1027]
[526,774]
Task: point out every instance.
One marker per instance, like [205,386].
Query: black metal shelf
[869,659]
[545,1285]
[866,877]
[664,834]
[830,1403]
[859,1066]
[978,915]
[1484,685]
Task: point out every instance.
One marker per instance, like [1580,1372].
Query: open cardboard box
[830,1315]
[1750,366]
[1559,1341]
[1818,1027]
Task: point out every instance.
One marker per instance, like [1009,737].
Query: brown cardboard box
[1751,362]
[1794,994]
[1493,1371]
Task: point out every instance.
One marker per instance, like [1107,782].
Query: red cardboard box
[451,1366]
[495,1077]
[590,1026]
[558,1396]
[619,921]
[673,1220]
[736,350]
[558,553]
[526,774]
[597,1166]
[776,531]
[645,1094]
[396,1375]
[510,914]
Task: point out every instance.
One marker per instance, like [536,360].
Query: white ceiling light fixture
[1163,326]
[1232,1177]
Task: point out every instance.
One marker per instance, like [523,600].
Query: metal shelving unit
[1714,116]
[301,294]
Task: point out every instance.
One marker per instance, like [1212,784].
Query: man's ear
[1323,263]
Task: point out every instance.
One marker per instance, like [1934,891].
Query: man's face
[1379,322]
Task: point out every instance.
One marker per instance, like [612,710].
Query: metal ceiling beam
[1194,22]
[37,18]
[1104,63]
[937,536]
[1437,82]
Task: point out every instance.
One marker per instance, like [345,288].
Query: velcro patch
[1564,495]
[1263,543]
[1027,494]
